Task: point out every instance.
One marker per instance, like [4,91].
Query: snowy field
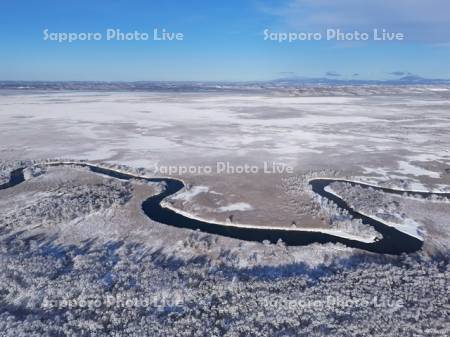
[401,140]
[74,244]
[403,136]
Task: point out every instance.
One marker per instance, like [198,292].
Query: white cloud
[419,19]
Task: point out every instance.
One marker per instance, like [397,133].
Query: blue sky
[223,39]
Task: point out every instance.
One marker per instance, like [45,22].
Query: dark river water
[393,241]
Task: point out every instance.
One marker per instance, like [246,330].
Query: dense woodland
[52,290]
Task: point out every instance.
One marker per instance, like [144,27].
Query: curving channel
[393,242]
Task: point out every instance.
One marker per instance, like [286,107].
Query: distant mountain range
[405,80]
[287,82]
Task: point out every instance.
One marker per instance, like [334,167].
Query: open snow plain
[76,244]
[242,154]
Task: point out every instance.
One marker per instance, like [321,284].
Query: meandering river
[392,242]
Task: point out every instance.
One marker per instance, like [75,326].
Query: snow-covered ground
[68,234]
[399,139]
[142,129]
